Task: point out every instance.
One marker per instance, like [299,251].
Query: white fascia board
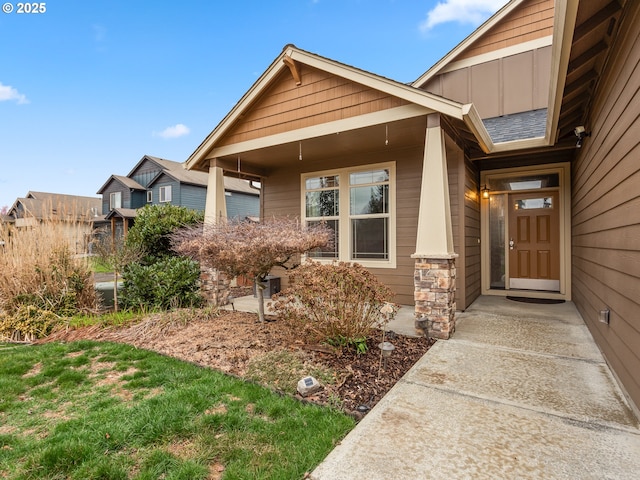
[391,87]
[462,46]
[246,100]
[564,24]
[344,125]
[497,54]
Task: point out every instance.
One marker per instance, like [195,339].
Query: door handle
[512,244]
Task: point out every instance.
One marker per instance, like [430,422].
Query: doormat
[546,301]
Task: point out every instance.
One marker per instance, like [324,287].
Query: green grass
[109,411]
[100,266]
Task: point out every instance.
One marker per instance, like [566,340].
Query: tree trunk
[260,292]
[115,291]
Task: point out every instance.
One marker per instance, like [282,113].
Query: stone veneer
[214,286]
[434,295]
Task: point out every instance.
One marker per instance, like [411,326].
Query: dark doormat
[548,301]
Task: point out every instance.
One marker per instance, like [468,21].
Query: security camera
[581,133]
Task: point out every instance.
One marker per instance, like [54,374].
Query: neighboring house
[75,211]
[509,168]
[155,181]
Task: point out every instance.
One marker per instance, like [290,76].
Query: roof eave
[457,50]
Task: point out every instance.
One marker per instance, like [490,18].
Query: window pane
[371,176]
[368,200]
[332,250]
[497,240]
[524,182]
[369,238]
[533,203]
[322,204]
[322,182]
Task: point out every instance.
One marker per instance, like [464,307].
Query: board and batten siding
[321,98]
[606,211]
[282,197]
[513,84]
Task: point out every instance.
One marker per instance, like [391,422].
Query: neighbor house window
[165,194]
[357,204]
[149,196]
[115,200]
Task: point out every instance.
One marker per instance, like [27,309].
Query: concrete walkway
[520,391]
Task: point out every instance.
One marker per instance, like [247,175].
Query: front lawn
[102,410]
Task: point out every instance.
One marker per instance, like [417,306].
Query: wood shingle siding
[320,98]
[532,20]
[606,211]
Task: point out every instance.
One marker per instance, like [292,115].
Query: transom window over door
[358,204]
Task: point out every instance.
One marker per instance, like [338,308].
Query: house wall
[606,210]
[145,172]
[116,187]
[193,197]
[321,98]
[533,19]
[513,84]
[465,221]
[281,197]
[242,205]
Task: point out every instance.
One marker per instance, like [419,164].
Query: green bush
[154,224]
[27,323]
[168,283]
[337,303]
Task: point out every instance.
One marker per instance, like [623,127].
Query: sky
[88,87]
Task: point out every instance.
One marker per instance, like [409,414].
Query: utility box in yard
[271,286]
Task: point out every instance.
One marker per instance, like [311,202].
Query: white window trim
[112,196]
[344,217]
[162,195]
[149,196]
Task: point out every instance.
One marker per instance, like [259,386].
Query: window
[165,194]
[149,196]
[357,204]
[115,200]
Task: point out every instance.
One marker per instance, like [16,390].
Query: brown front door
[534,241]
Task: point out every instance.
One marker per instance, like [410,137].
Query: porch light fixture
[485,191]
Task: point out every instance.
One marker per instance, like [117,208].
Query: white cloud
[176,131]
[473,12]
[7,92]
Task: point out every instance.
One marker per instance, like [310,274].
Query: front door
[534,241]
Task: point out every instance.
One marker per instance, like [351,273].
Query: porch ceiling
[259,162]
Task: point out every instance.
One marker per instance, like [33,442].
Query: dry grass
[39,266]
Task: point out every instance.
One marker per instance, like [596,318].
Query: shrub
[154,224]
[335,303]
[27,323]
[168,283]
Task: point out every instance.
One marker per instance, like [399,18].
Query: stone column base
[434,295]
[214,286]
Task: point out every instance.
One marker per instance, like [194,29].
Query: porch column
[435,272]
[214,285]
[216,204]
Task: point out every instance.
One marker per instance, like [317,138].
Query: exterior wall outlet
[603,315]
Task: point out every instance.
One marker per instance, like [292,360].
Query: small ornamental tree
[118,254]
[251,249]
